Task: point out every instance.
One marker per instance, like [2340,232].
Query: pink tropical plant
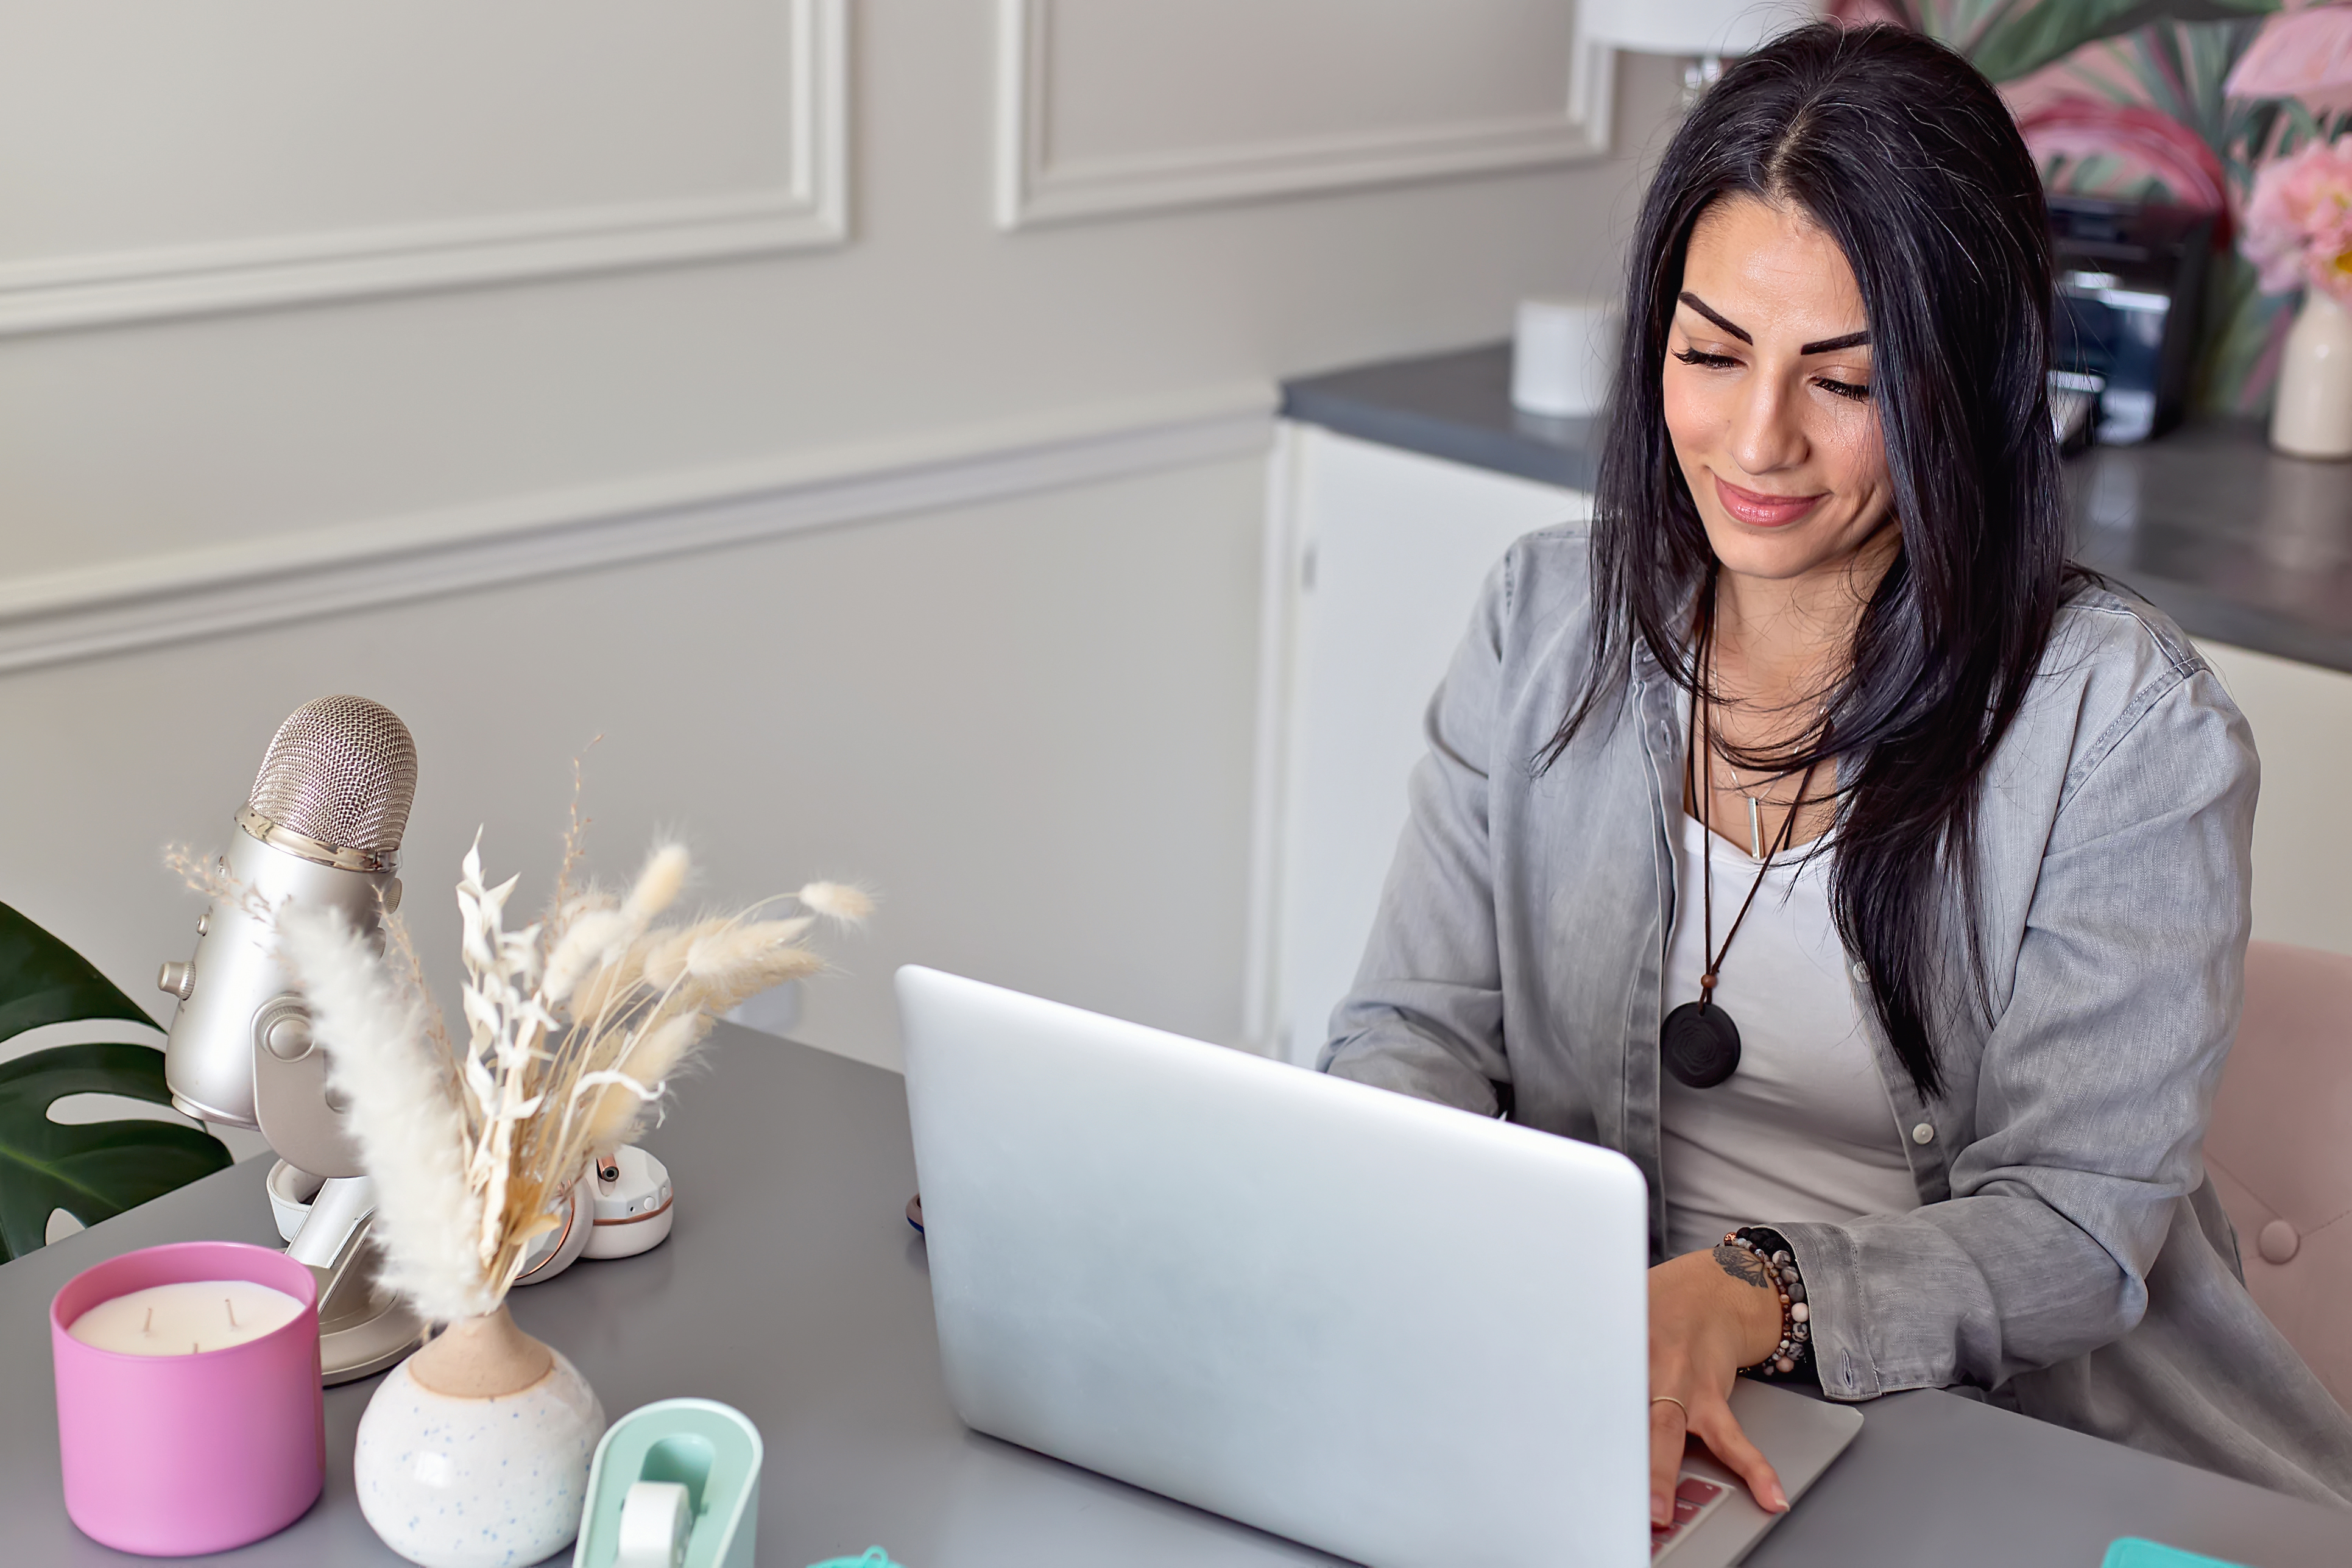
[2305,54]
[2170,100]
[2298,225]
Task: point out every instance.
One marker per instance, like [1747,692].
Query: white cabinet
[1374,559]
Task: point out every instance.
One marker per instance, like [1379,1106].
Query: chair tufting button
[2278,1242]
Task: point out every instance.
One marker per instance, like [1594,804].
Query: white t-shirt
[1803,1130]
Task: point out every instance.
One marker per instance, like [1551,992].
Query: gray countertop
[793,1289]
[2235,542]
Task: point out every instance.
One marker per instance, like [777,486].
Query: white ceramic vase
[451,1476]
[2311,417]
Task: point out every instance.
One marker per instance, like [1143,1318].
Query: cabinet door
[1380,553]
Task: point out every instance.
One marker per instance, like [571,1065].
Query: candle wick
[149,1326]
[232,1310]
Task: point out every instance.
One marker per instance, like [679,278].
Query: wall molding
[1032,188]
[810,208]
[220,590]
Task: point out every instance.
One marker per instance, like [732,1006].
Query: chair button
[2278,1242]
[1923,1134]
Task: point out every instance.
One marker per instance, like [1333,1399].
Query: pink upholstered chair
[2280,1150]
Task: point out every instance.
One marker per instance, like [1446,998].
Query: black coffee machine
[2131,279]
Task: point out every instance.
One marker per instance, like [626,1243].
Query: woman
[1927,856]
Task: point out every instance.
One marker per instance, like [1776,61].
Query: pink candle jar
[171,1452]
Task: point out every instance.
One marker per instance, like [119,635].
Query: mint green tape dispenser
[674,1484]
[2133,1552]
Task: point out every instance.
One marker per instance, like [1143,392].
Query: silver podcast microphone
[322,827]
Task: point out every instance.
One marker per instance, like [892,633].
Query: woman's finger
[1719,1429]
[1665,1458]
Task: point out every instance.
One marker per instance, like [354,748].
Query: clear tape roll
[655,1518]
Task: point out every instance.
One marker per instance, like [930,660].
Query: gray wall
[1018,706]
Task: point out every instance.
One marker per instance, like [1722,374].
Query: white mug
[1562,356]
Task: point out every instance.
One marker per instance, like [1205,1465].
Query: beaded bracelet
[1780,1267]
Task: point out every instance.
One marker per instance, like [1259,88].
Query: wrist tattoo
[1743,1266]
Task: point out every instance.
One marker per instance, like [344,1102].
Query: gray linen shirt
[2068,1256]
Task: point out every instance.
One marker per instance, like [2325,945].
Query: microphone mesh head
[341,770]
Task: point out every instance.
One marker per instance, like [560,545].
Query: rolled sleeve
[2094,1083]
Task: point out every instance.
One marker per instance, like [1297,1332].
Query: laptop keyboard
[1694,1499]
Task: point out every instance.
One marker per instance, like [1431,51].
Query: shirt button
[1923,1134]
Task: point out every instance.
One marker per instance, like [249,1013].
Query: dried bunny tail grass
[648,1064]
[709,950]
[665,957]
[721,996]
[593,938]
[411,1134]
[659,884]
[608,986]
[837,902]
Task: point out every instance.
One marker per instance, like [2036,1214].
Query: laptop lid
[1399,1332]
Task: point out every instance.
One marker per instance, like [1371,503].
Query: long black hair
[1908,159]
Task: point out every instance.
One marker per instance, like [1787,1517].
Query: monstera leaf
[96,1169]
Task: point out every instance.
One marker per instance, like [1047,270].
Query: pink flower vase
[2298,230]
[2312,414]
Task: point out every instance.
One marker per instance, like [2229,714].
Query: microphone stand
[362,1329]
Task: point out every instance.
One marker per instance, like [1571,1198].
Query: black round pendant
[1700,1044]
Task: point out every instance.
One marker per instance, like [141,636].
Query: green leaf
[94,1171]
[43,981]
[2026,37]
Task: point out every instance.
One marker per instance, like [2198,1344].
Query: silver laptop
[1401,1333]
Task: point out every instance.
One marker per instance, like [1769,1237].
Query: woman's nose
[1765,434]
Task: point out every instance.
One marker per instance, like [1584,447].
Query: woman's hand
[1711,1313]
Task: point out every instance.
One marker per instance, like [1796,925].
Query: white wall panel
[1016,694]
[1110,106]
[1025,725]
[218,153]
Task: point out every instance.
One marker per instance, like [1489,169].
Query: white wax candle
[186,1317]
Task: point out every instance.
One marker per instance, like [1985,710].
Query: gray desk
[793,1291]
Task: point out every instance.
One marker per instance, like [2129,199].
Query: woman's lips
[1761,510]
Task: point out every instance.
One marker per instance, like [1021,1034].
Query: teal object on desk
[2131,1552]
[711,1450]
[875,1558]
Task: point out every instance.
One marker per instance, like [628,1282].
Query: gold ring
[1670,1399]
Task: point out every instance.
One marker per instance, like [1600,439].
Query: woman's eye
[1705,361]
[1843,389]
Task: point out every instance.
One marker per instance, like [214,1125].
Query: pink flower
[2298,225]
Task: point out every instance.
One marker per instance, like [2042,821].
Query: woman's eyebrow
[1826,345]
[1704,309]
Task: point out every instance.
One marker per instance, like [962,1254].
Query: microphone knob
[288,1036]
[179,979]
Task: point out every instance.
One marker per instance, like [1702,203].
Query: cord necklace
[1698,1041]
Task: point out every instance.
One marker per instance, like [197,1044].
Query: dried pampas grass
[427,1216]
[574,1027]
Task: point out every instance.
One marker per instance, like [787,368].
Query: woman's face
[1766,385]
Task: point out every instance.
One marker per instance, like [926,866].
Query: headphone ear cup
[1699,1045]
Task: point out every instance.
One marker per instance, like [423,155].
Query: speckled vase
[478,1457]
